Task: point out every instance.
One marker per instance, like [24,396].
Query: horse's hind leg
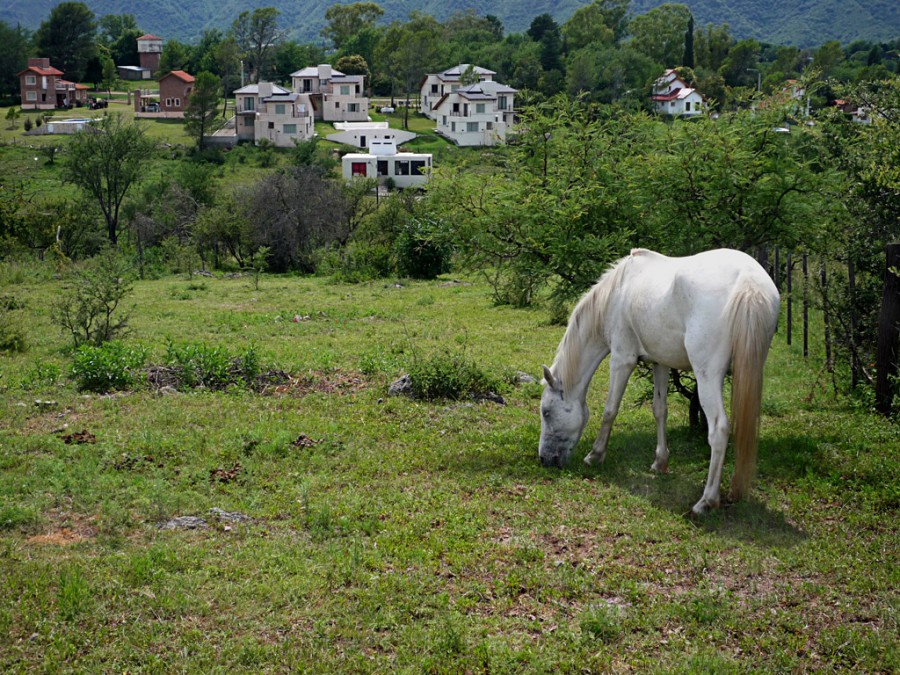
[709,388]
[619,371]
[661,413]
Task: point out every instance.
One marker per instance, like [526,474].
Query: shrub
[197,364]
[359,261]
[449,375]
[110,366]
[422,253]
[88,308]
[28,124]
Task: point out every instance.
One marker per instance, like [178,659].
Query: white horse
[704,313]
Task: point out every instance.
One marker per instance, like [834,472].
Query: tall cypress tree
[688,59]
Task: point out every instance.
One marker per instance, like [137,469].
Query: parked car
[152,107]
[96,103]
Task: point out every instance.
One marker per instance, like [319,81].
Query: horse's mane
[586,323]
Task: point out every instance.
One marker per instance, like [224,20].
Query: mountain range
[804,23]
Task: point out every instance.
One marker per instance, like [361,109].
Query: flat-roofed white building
[384,162]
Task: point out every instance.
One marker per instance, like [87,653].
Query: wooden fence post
[790,297]
[886,357]
[805,307]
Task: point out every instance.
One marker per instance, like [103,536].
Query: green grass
[409,536]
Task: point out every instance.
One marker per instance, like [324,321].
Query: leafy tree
[110,74]
[124,49]
[711,46]
[175,56]
[540,25]
[106,162]
[257,34]
[345,21]
[660,33]
[291,56]
[353,65]
[111,27]
[363,43]
[67,37]
[203,55]
[228,66]
[201,114]
[588,25]
[740,64]
[14,49]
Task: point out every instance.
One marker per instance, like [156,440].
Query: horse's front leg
[619,371]
[661,413]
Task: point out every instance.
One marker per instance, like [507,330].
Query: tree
[201,112]
[112,27]
[14,49]
[110,74]
[587,26]
[353,65]
[711,46]
[345,21]
[738,67]
[124,49]
[175,56]
[67,37]
[688,59]
[228,66]
[105,162]
[257,35]
[660,33]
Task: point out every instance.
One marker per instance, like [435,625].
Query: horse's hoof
[594,460]
[659,469]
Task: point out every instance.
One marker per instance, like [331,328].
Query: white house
[672,96]
[436,85]
[361,134]
[477,114]
[268,111]
[383,161]
[335,97]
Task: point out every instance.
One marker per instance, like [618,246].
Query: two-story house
[42,87]
[268,111]
[174,89]
[476,114]
[437,85]
[672,96]
[335,97]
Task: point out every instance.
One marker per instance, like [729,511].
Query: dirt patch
[342,383]
[65,529]
[79,438]
[304,441]
[225,476]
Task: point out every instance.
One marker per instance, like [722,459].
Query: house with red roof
[672,96]
[42,87]
[174,89]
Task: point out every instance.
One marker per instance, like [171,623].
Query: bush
[87,308]
[12,336]
[449,375]
[110,366]
[422,253]
[197,364]
[358,262]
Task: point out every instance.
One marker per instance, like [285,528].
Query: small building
[435,86]
[42,87]
[384,162]
[268,111]
[361,134]
[335,97]
[672,96]
[174,90]
[69,126]
[134,73]
[149,48]
[476,115]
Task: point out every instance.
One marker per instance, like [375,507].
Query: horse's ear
[548,378]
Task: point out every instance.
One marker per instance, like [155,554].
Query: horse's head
[562,421]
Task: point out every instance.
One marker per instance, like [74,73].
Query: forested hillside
[791,22]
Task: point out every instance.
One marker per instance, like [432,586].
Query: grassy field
[385,534]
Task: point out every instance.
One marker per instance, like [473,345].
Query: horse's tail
[752,327]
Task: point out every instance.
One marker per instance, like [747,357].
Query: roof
[73,85]
[181,75]
[313,71]
[456,72]
[484,90]
[679,94]
[149,36]
[254,89]
[42,71]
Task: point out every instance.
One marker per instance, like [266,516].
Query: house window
[444,120]
[177,102]
[290,129]
[345,90]
[168,103]
[279,108]
[271,125]
[501,103]
[353,107]
[337,105]
[382,167]
[471,126]
[358,169]
[31,95]
[434,89]
[249,104]
[417,167]
[248,121]
[401,167]
[687,106]
[453,127]
[479,108]
[30,80]
[490,126]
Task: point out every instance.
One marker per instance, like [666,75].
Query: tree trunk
[887,355]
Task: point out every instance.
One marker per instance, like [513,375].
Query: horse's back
[677,308]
